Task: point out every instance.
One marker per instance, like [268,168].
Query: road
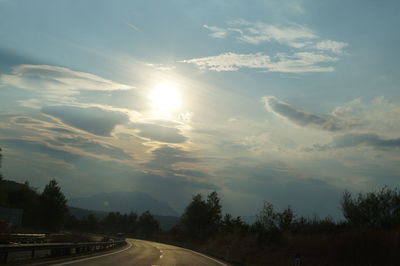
[147,253]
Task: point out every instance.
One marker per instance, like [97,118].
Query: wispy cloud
[258,32]
[332,46]
[45,78]
[293,35]
[133,27]
[161,67]
[294,63]
[217,32]
[54,84]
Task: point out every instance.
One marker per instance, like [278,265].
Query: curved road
[147,253]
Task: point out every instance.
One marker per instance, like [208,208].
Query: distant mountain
[80,213]
[166,222]
[124,202]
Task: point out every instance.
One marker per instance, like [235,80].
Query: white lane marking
[91,258]
[217,261]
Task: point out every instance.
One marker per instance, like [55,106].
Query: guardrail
[56,249]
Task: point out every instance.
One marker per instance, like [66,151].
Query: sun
[165,97]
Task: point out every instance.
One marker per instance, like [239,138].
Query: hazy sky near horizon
[289,101]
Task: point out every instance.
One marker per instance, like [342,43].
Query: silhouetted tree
[267,217]
[53,206]
[89,223]
[230,225]
[285,219]
[214,212]
[202,218]
[148,226]
[379,209]
[194,220]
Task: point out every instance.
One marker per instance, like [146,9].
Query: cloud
[166,163]
[216,32]
[91,119]
[353,140]
[295,63]
[231,61]
[166,156]
[55,84]
[133,27]
[159,132]
[332,46]
[292,35]
[302,118]
[258,32]
[313,56]
[93,147]
[161,67]
[40,148]
[192,173]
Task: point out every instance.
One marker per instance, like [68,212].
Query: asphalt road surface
[147,253]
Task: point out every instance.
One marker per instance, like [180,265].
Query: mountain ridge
[123,202]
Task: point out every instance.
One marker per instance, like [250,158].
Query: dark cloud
[92,119]
[159,132]
[166,156]
[164,160]
[306,119]
[25,120]
[352,140]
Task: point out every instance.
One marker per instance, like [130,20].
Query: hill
[124,202]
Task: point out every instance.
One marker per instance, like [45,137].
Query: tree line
[48,211]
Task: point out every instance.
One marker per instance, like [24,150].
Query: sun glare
[165,97]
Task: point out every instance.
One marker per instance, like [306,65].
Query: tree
[267,217]
[194,220]
[214,212]
[285,219]
[380,209]
[148,226]
[53,206]
[202,218]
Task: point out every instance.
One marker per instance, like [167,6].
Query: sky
[290,102]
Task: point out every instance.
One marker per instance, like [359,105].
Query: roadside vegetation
[369,235]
